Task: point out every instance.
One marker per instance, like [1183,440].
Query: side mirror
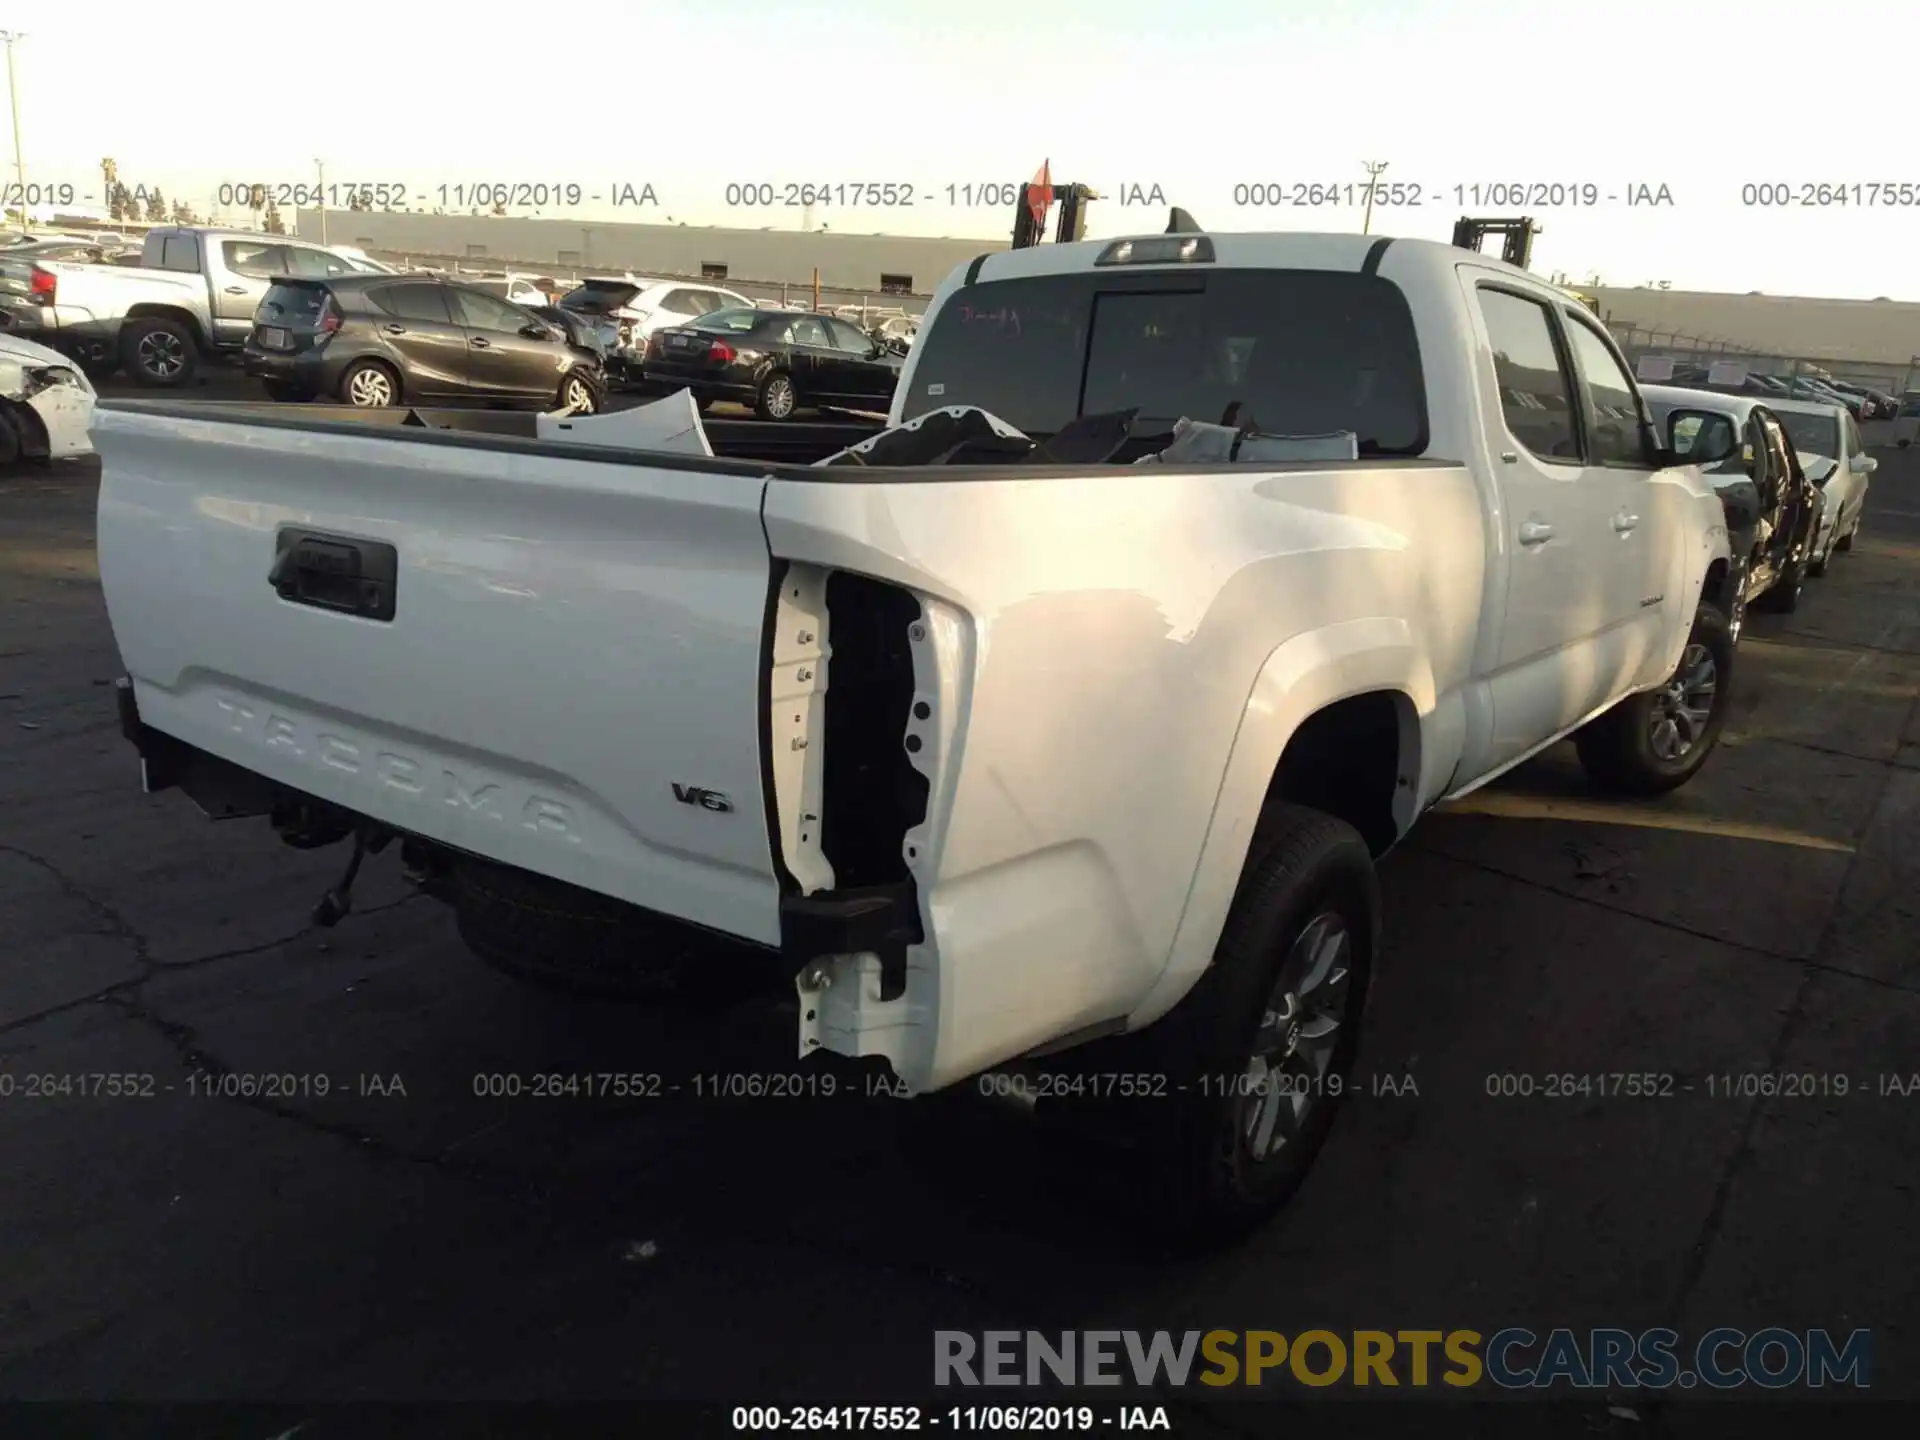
[1864,464]
[1707,439]
[537,331]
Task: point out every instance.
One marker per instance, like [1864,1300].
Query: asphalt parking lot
[402,1238]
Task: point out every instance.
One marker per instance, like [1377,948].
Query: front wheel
[1783,596]
[578,396]
[1653,742]
[1846,541]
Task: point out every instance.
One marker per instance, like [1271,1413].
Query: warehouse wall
[1885,332]
[847,262]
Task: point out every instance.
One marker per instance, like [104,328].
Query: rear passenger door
[814,361]
[1556,526]
[415,326]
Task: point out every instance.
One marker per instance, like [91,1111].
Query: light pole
[1375,169]
[321,166]
[13,100]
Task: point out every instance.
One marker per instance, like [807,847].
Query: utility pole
[13,99]
[321,166]
[1375,169]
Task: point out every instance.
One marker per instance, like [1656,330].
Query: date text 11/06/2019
[1028,1419]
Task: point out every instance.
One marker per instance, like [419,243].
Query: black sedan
[375,340]
[778,361]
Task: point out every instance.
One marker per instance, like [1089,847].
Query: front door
[1556,526]
[862,379]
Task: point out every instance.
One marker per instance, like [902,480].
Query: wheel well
[167,312]
[1351,760]
[1715,587]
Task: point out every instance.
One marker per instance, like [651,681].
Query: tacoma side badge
[699,795]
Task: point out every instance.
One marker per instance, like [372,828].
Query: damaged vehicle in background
[625,313]
[1744,450]
[374,341]
[46,404]
[1249,535]
[1836,461]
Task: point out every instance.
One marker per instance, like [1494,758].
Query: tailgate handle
[334,572]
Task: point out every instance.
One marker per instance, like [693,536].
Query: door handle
[396,329]
[1535,532]
[479,343]
[1623,523]
[236,290]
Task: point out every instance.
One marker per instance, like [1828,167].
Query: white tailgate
[572,640]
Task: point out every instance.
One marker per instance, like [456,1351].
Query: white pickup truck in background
[1007,745]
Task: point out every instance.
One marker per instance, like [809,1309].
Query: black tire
[1783,596]
[1210,1186]
[579,380]
[1620,751]
[1817,566]
[12,443]
[577,942]
[776,399]
[159,353]
[286,391]
[1845,542]
[361,384]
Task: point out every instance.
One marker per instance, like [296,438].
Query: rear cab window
[1298,352]
[178,252]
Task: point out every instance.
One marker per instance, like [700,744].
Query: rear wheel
[286,390]
[158,353]
[370,385]
[776,399]
[1654,742]
[1258,1055]
[11,445]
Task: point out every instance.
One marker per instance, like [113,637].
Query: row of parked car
[313,320]
[1860,401]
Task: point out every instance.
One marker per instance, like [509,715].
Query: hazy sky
[1194,97]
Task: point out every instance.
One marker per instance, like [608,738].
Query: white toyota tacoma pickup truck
[1071,729]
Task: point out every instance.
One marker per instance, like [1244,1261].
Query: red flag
[1040,195]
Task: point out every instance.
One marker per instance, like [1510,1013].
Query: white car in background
[46,404]
[1836,460]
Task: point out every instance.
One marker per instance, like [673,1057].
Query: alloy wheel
[1293,1050]
[579,398]
[780,399]
[161,354]
[370,388]
[1682,707]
